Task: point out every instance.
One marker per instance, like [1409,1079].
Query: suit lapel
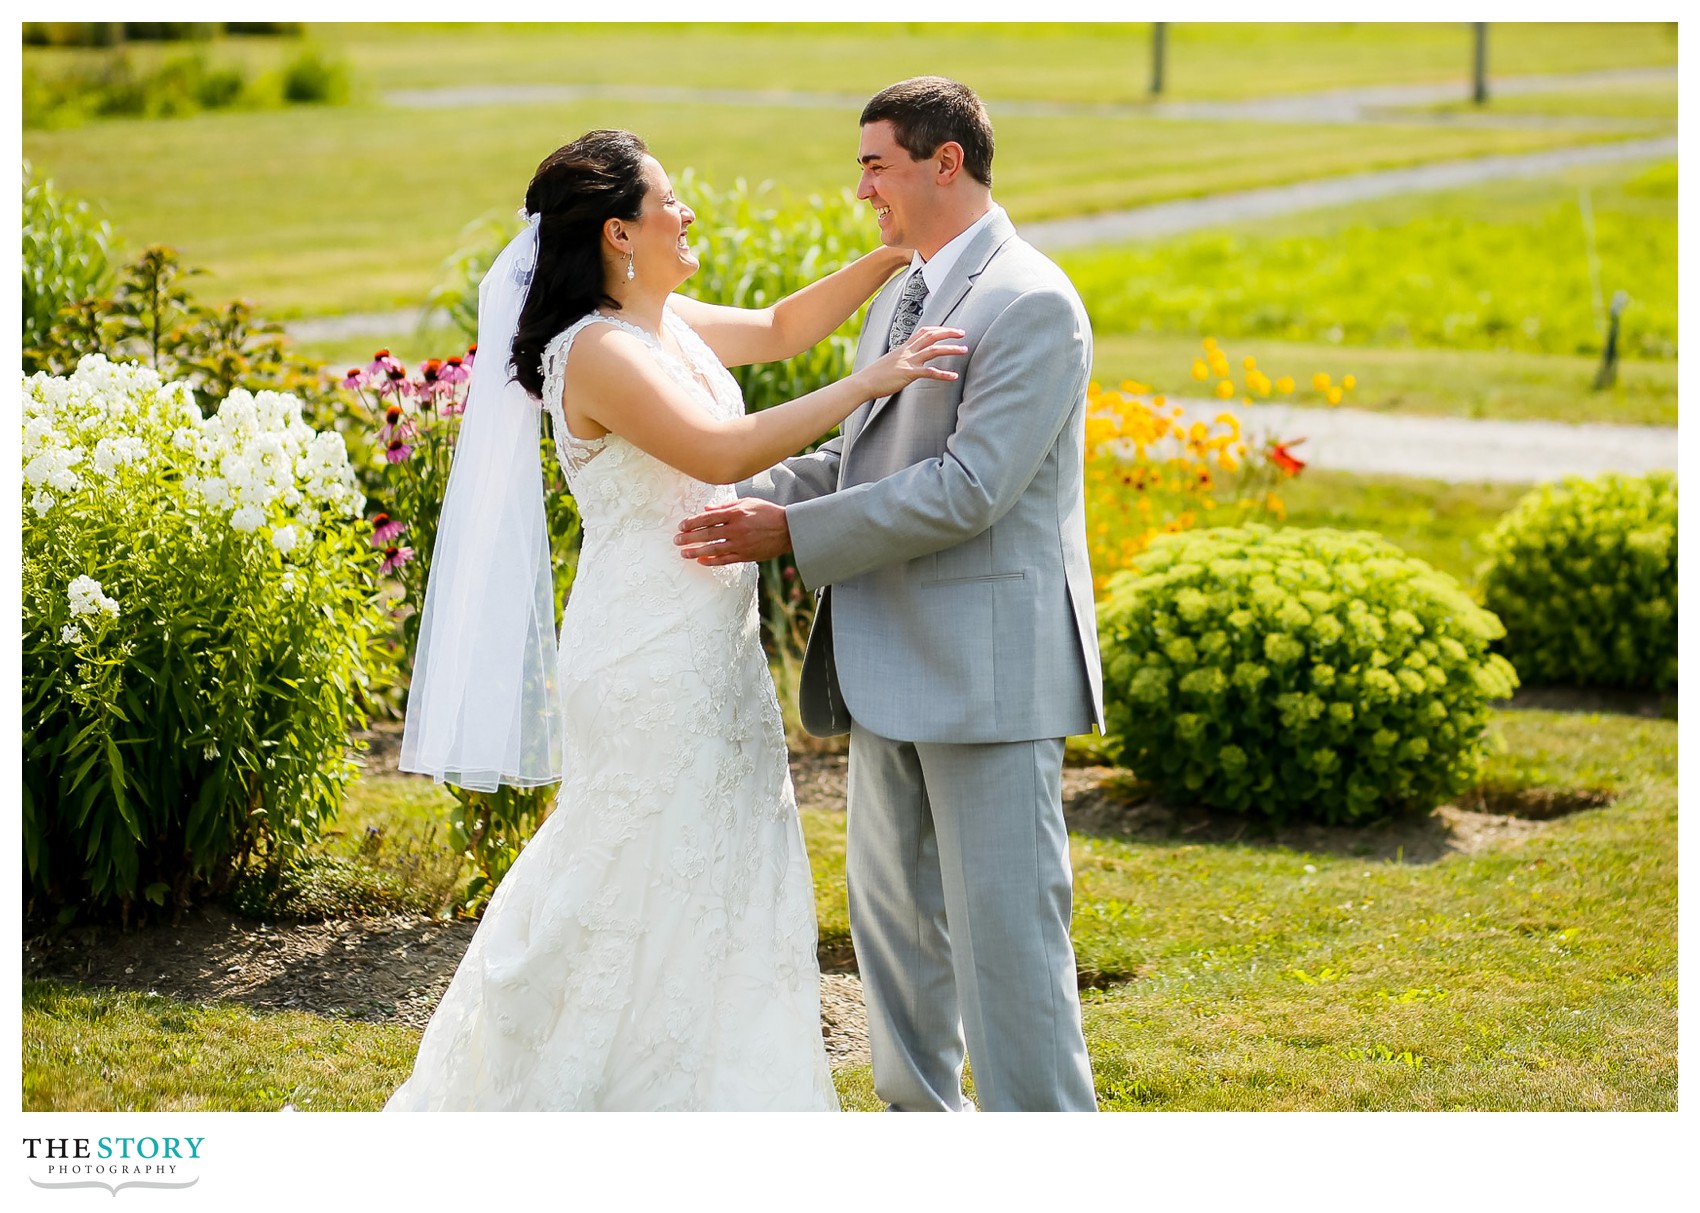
[942,302]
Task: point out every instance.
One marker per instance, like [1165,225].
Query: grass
[1435,520]
[353,208]
[1503,266]
[89,1049]
[1402,379]
[1074,61]
[1629,101]
[1532,975]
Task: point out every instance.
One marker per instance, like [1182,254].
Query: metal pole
[1480,95]
[1159,40]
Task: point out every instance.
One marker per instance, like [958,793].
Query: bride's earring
[630,272]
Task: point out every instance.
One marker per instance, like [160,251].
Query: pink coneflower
[394,558]
[397,450]
[394,380]
[455,371]
[471,355]
[381,362]
[384,529]
[355,379]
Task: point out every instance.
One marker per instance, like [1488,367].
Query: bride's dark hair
[578,188]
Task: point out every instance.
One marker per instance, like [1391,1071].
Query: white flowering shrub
[1297,674]
[199,602]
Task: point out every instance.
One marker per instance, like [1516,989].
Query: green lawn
[1437,521]
[1630,101]
[322,211]
[1503,267]
[1073,61]
[1538,974]
[1403,379]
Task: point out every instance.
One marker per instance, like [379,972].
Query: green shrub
[66,258]
[1297,673]
[116,84]
[199,600]
[1583,574]
[314,78]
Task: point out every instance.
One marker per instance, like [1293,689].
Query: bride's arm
[617,386]
[739,336]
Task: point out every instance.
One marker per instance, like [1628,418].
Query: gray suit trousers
[951,845]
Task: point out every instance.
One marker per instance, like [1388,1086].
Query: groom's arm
[1024,379]
[800,478]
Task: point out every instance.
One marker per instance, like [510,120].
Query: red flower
[1282,457]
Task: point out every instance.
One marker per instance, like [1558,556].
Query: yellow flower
[1225,389]
[1349,382]
[1227,462]
[1284,384]
[1335,395]
[1258,381]
[1199,370]
[1210,343]
[1135,388]
[1320,381]
[1250,363]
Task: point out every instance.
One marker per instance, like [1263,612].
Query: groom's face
[901,190]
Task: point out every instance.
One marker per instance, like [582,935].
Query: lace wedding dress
[653,947]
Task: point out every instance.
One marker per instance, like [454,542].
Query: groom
[955,638]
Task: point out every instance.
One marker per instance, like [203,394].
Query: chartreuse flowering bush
[1297,673]
[198,604]
[1584,575]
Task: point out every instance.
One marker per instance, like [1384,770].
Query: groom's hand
[746,529]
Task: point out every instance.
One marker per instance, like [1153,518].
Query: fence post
[1159,41]
[1479,95]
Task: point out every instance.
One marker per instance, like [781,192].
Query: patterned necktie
[908,310]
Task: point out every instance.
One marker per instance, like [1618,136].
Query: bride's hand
[908,362]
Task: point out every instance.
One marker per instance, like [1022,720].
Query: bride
[653,947]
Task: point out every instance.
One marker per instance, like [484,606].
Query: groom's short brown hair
[927,112]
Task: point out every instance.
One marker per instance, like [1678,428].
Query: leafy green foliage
[1297,674]
[67,257]
[150,318]
[118,84]
[1583,574]
[199,603]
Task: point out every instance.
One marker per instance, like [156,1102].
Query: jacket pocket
[1018,575]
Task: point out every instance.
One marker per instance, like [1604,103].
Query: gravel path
[1215,210]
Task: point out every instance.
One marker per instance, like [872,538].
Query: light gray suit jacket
[949,522]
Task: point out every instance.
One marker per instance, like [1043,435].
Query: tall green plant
[199,602]
[67,257]
[414,423]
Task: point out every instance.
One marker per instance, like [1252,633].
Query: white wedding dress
[653,947]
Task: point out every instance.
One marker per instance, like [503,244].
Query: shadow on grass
[1655,705]
[1120,807]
